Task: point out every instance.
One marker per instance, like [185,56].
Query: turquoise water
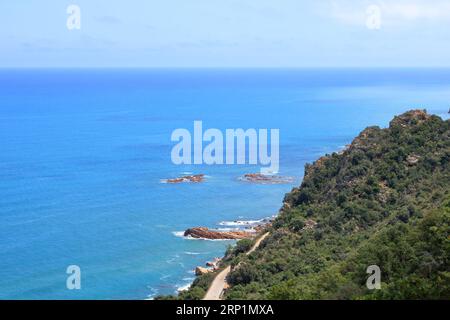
[83,153]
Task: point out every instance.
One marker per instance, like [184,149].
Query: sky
[226,33]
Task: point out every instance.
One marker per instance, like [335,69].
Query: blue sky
[225,33]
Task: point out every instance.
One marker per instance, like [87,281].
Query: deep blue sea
[83,153]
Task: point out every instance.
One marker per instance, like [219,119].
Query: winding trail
[219,283]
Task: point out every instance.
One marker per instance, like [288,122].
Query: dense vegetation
[383,201]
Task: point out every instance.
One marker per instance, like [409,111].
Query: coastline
[259,227]
[221,270]
[110,190]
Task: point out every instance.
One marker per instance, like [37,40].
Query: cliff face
[383,201]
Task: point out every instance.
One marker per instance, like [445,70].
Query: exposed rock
[260,227]
[213,264]
[410,118]
[266,179]
[384,192]
[205,233]
[309,224]
[193,178]
[366,139]
[200,270]
[412,159]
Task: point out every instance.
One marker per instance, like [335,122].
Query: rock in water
[205,233]
[196,178]
[265,179]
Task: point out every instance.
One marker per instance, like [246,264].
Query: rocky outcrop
[196,178]
[265,179]
[205,233]
[412,159]
[214,264]
[409,118]
[200,270]
[309,224]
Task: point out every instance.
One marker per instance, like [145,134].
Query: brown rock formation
[200,270]
[409,118]
[205,233]
[193,178]
[266,179]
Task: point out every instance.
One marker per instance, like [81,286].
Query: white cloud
[417,10]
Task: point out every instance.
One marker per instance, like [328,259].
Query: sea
[84,154]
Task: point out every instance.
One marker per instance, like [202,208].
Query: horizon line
[215,67]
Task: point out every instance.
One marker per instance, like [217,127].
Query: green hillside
[383,201]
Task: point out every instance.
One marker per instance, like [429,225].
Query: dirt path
[257,243]
[215,291]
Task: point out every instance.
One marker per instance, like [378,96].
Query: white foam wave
[184,287]
[153,293]
[188,278]
[192,253]
[240,222]
[228,229]
[179,234]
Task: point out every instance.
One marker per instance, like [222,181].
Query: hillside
[384,201]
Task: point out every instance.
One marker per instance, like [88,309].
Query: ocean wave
[153,293]
[184,287]
[191,253]
[241,222]
[179,234]
[227,229]
[188,279]
[173,259]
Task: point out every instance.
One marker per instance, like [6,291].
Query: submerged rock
[192,178]
[265,179]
